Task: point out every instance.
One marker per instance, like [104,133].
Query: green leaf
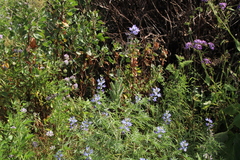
[236,121]
[237,44]
[229,87]
[100,37]
[221,137]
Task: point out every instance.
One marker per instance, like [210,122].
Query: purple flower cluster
[137,99]
[222,5]
[159,131]
[58,155]
[126,124]
[134,30]
[88,152]
[156,93]
[204,0]
[72,121]
[206,61]
[71,81]
[209,123]
[167,117]
[96,99]
[101,83]
[183,145]
[198,44]
[85,124]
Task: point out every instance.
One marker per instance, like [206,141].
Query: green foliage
[52,106]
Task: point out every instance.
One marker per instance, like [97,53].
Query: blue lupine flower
[101,84]
[134,30]
[96,99]
[160,130]
[183,145]
[126,122]
[88,152]
[85,125]
[59,155]
[35,144]
[166,117]
[156,93]
[137,99]
[143,159]
[209,123]
[204,0]
[72,121]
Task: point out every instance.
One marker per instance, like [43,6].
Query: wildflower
[85,125]
[75,86]
[35,144]
[23,110]
[204,0]
[66,56]
[105,114]
[101,84]
[73,77]
[166,117]
[126,124]
[188,45]
[59,155]
[134,30]
[206,61]
[223,5]
[67,79]
[52,147]
[209,123]
[155,94]
[1,36]
[96,99]
[66,62]
[137,99]
[197,46]
[72,121]
[17,50]
[143,159]
[160,130]
[238,7]
[49,133]
[211,45]
[13,127]
[184,145]
[88,151]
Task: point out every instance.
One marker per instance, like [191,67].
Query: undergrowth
[71,90]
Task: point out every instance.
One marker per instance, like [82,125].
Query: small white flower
[23,110]
[49,133]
